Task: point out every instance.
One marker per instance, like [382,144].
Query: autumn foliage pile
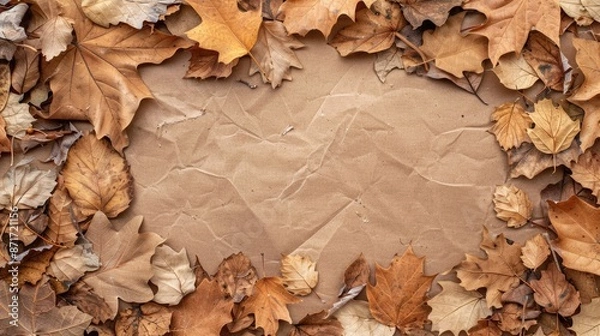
[66,60]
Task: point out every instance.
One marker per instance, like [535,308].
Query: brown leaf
[498,273]
[205,63]
[515,73]
[510,318]
[32,266]
[436,11]
[591,119]
[149,319]
[586,170]
[26,72]
[512,205]
[97,177]
[578,11]
[387,61]
[588,59]
[485,328]
[84,297]
[225,28]
[470,82]
[5,80]
[511,124]
[356,277]
[17,116]
[125,256]
[134,13]
[199,272]
[521,294]
[317,325]
[554,130]
[452,51]
[554,293]
[204,312]
[578,243]
[269,303]
[52,31]
[356,319]
[398,297]
[298,274]
[69,264]
[374,30]
[274,51]
[535,252]
[508,23]
[552,325]
[528,161]
[545,58]
[172,275]
[62,225]
[586,323]
[5,144]
[587,284]
[236,276]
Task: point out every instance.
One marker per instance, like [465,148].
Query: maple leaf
[302,16]
[588,58]
[455,309]
[97,177]
[125,256]
[148,319]
[95,79]
[527,160]
[374,30]
[436,11]
[274,52]
[586,323]
[535,252]
[236,276]
[356,319]
[317,325]
[515,73]
[268,304]
[52,31]
[576,224]
[509,22]
[590,126]
[586,170]
[26,187]
[225,28]
[172,275]
[204,312]
[547,61]
[298,274]
[498,273]
[554,130]
[554,293]
[511,125]
[70,264]
[399,296]
[512,205]
[356,277]
[387,61]
[134,13]
[205,63]
[453,52]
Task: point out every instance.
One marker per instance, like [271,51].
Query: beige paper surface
[368,167]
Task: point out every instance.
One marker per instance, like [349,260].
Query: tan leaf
[508,23]
[53,32]
[498,273]
[356,278]
[125,256]
[298,274]
[97,177]
[132,12]
[436,11]
[225,28]
[512,205]
[588,58]
[205,63]
[204,312]
[302,16]
[456,309]
[514,72]
[398,297]
[10,21]
[317,325]
[586,323]
[149,319]
[269,303]
[70,264]
[26,187]
[590,129]
[62,226]
[578,11]
[528,161]
[26,72]
[554,130]
[84,297]
[576,224]
[593,8]
[453,52]
[535,252]
[236,276]
[554,293]
[586,170]
[374,30]
[5,80]
[511,125]
[387,61]
[356,319]
[172,275]
[510,318]
[17,116]
[274,51]
[545,58]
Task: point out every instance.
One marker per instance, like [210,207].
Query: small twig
[250,85]
[547,237]
[415,48]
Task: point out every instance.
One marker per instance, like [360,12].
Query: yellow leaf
[511,125]
[554,130]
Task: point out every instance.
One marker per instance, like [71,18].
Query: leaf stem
[415,48]
[547,237]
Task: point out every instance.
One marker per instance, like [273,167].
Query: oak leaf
[317,325]
[512,205]
[453,52]
[554,130]
[52,32]
[374,30]
[547,61]
[508,23]
[269,303]
[70,264]
[514,72]
[586,170]
[554,293]
[511,124]
[398,297]
[298,274]
[25,186]
[172,275]
[387,61]
[535,251]
[205,63]
[302,16]
[578,243]
[455,309]
[274,51]
[97,177]
[356,278]
[204,312]
[225,28]
[149,319]
[527,160]
[586,323]
[17,116]
[125,256]
[236,277]
[436,11]
[62,226]
[356,319]
[498,273]
[132,12]
[95,79]
[588,58]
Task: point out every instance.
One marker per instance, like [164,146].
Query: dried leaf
[554,130]
[578,11]
[587,284]
[205,63]
[62,226]
[545,58]
[149,319]
[512,123]
[387,61]
[485,328]
[199,272]
[398,298]
[70,264]
[512,205]
[535,252]
[554,293]
[528,161]
[5,80]
[470,82]
[84,297]
[586,323]
[26,72]
[26,187]
[576,224]
[317,325]
[17,116]
[510,318]
[586,170]
[53,31]
[436,11]
[97,177]
[588,58]
[10,21]
[356,319]
[236,276]
[125,256]
[298,273]
[172,275]
[356,277]
[515,73]
[590,129]
[225,28]
[455,309]
[132,12]
[32,264]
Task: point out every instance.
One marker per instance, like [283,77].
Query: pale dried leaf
[511,124]
[317,324]
[26,187]
[554,130]
[17,116]
[356,319]
[512,205]
[535,251]
[586,323]
[55,35]
[588,59]
[5,81]
[578,11]
[10,21]
[299,274]
[172,275]
[387,61]
[514,72]
[236,276]
[70,264]
[132,12]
